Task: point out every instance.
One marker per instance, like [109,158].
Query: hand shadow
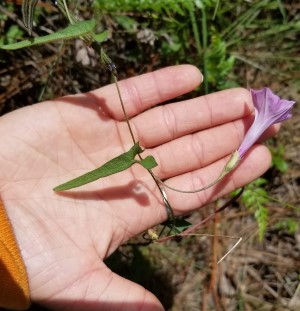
[133,190]
[89,101]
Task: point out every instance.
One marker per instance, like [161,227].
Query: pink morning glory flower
[270,109]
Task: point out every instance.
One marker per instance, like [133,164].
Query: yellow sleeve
[14,289]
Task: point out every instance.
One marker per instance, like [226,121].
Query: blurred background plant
[234,43]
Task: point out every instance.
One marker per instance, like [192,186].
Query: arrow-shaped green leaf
[71,31]
[116,165]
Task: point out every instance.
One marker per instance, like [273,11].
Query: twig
[214,269]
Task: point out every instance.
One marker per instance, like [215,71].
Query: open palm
[64,237]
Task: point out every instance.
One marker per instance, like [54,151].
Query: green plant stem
[195,28]
[53,65]
[204,43]
[229,166]
[123,108]
[70,18]
[168,207]
[216,10]
[196,34]
[282,10]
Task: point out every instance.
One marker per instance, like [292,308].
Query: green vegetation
[215,36]
[255,199]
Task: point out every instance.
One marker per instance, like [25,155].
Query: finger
[256,162]
[167,122]
[142,92]
[195,151]
[203,148]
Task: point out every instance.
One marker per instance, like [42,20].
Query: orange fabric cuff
[14,288]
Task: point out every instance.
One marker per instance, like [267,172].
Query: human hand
[64,237]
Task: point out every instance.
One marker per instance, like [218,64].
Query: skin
[64,237]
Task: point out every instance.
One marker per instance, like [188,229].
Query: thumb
[106,291]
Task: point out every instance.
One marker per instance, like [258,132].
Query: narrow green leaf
[72,31]
[116,165]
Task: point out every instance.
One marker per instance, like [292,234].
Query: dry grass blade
[295,301]
[28,7]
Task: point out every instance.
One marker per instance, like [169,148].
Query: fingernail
[202,77]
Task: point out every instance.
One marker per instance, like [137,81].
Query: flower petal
[270,109]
